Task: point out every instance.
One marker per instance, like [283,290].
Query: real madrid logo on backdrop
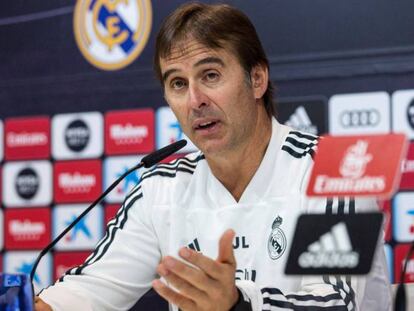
[112,33]
[277,240]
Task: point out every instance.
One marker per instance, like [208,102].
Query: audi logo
[354,118]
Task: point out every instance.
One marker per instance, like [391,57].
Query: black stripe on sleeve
[329,204]
[299,144]
[303,298]
[302,135]
[351,205]
[296,154]
[341,206]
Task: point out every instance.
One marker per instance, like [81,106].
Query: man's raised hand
[209,285]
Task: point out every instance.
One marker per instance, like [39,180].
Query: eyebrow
[207,60]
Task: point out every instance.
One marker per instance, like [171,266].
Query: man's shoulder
[297,145]
[179,170]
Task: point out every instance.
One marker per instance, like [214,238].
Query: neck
[236,168]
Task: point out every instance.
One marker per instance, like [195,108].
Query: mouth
[205,125]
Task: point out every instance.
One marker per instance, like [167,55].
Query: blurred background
[79,104]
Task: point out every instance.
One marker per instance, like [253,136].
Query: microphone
[147,161]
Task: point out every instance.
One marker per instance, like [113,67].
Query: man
[227,212]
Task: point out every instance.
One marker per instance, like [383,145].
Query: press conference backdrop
[79,104]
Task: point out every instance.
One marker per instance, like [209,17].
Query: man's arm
[120,269]
[212,286]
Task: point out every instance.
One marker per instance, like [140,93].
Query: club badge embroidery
[276,245]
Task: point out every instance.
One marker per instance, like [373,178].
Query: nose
[197,99]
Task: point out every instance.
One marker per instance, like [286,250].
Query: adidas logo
[333,250]
[194,245]
[300,120]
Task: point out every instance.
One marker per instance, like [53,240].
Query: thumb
[226,253]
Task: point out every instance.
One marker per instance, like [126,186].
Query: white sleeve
[121,268]
[365,293]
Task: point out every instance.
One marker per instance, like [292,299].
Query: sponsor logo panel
[27,138]
[27,228]
[110,211]
[403,112]
[403,217]
[114,167]
[22,262]
[77,181]
[306,115]
[129,132]
[332,244]
[400,253]
[85,234]
[360,113]
[77,136]
[169,130]
[65,261]
[30,184]
[357,165]
[407,177]
[111,35]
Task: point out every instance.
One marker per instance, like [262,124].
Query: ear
[259,76]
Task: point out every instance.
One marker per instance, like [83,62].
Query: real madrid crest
[112,33]
[277,240]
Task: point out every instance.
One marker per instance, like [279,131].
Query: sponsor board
[304,114]
[86,233]
[129,131]
[22,262]
[114,167]
[407,176]
[169,130]
[29,184]
[403,112]
[359,114]
[77,135]
[110,212]
[400,254]
[112,34]
[334,244]
[403,217]
[27,138]
[390,263]
[27,228]
[77,181]
[65,261]
[357,165]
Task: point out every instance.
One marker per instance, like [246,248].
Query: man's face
[211,96]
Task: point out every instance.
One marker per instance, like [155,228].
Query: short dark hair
[215,26]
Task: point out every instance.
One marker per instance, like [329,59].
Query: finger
[172,296]
[226,253]
[192,275]
[40,305]
[182,286]
[209,266]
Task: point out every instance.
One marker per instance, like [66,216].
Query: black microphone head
[159,155]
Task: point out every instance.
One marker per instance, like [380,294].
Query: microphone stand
[148,161]
[400,297]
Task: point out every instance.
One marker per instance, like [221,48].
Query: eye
[211,76]
[177,84]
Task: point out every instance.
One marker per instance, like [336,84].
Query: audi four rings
[365,117]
